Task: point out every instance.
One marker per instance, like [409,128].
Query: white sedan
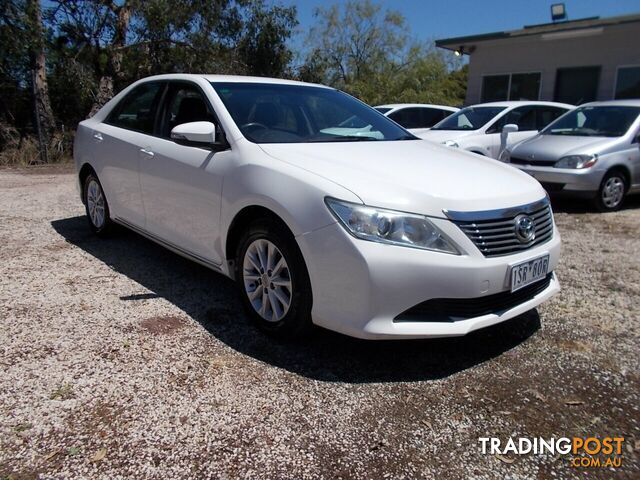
[477,128]
[416,117]
[376,236]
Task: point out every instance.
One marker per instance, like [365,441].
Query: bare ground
[120,359]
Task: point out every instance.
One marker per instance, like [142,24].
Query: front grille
[455,309]
[536,163]
[497,236]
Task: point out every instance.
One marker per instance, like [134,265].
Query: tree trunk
[43,113]
[115,56]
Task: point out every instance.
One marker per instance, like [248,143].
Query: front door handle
[98,136]
[148,153]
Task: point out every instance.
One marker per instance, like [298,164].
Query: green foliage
[355,45]
[366,51]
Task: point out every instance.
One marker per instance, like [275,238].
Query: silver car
[592,151]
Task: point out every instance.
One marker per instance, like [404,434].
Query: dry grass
[26,152]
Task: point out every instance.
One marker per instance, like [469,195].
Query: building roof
[562,26]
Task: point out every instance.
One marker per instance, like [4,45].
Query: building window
[577,85]
[495,88]
[524,86]
[628,83]
[516,86]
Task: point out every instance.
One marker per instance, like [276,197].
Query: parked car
[373,236]
[478,128]
[416,117]
[593,151]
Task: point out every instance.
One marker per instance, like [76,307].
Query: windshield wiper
[343,138]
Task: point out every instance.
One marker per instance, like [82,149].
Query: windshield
[382,109]
[277,113]
[470,118]
[609,121]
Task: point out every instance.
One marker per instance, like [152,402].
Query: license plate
[528,272]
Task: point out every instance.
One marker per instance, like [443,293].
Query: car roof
[214,78]
[519,103]
[632,102]
[427,105]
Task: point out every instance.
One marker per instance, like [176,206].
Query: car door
[118,141]
[524,117]
[181,185]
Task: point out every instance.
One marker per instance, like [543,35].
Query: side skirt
[171,246]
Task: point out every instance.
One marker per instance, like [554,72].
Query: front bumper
[564,180]
[360,287]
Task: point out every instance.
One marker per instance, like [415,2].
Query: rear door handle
[148,153]
[98,136]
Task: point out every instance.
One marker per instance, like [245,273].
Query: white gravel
[120,359]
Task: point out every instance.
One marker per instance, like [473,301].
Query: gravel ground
[120,359]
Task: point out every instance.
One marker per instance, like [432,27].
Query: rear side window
[137,110]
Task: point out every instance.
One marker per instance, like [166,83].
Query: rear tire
[96,206]
[273,278]
[612,190]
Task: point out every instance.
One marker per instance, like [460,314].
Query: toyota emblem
[524,228]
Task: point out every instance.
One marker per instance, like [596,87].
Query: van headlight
[390,227]
[576,161]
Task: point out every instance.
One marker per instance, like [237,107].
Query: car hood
[440,136]
[413,175]
[553,147]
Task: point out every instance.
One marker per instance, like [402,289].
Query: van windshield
[470,118]
[281,113]
[596,121]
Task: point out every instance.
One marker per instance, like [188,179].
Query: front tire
[96,206]
[272,275]
[612,191]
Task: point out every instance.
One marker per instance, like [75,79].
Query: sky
[435,19]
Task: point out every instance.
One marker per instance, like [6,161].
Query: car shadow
[213,301]
[562,204]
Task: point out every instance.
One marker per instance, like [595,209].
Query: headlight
[391,227]
[450,143]
[577,161]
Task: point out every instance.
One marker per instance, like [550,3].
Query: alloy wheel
[95,204]
[267,280]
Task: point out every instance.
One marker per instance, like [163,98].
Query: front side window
[604,121]
[546,115]
[523,117]
[470,118]
[137,110]
[628,83]
[185,104]
[277,113]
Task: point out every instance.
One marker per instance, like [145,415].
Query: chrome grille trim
[493,232]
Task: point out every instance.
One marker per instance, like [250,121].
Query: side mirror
[510,128]
[195,134]
[506,130]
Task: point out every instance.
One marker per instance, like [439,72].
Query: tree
[353,42]
[262,47]
[44,120]
[366,51]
